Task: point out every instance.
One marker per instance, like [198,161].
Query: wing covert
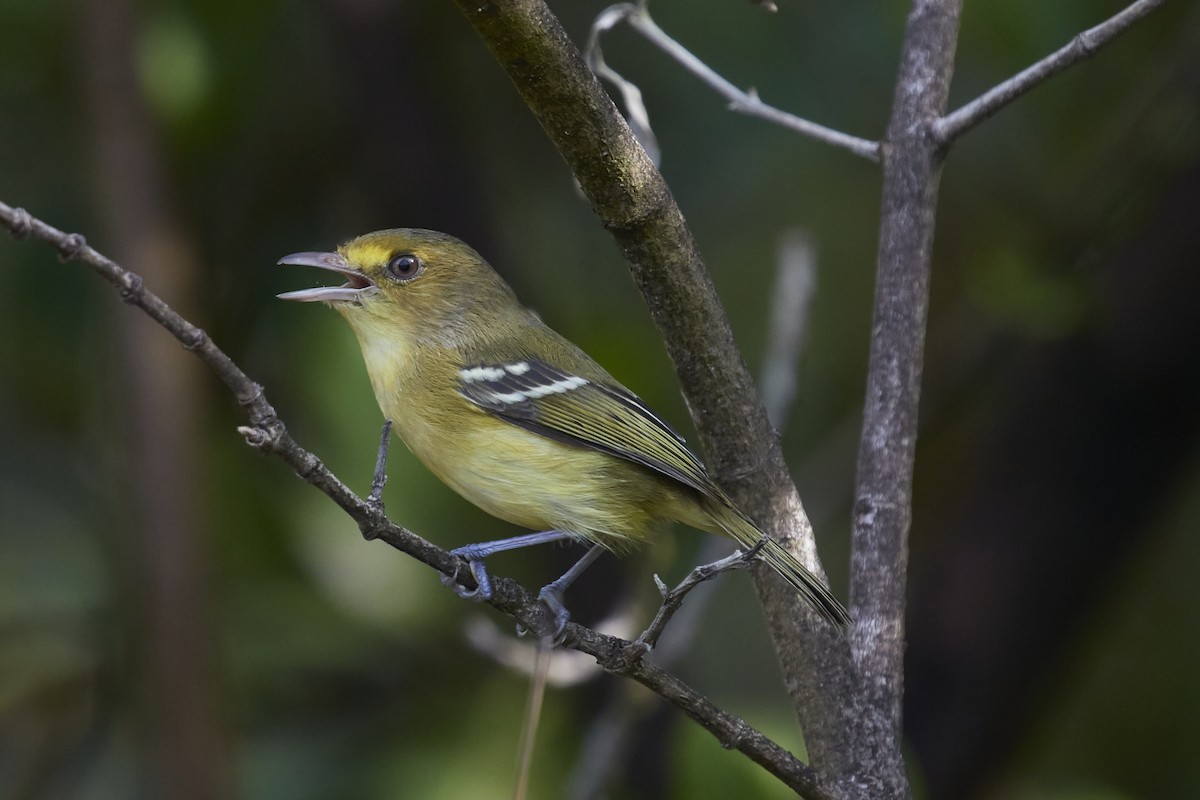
[574,410]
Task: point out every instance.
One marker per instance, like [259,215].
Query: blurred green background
[181,617]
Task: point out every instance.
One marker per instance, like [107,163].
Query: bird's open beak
[349,292]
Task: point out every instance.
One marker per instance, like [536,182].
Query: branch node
[256,394]
[21,224]
[1086,44]
[71,246]
[626,657]
[375,524]
[311,465]
[197,340]
[132,289]
[255,436]
[732,742]
[268,435]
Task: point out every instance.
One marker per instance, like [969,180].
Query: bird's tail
[771,552]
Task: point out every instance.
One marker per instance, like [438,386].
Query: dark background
[182,617]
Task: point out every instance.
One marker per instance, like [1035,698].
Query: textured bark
[883,490]
[633,202]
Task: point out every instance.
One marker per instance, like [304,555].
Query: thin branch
[1085,45]
[268,433]
[672,599]
[742,102]
[605,743]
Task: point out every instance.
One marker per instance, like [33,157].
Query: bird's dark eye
[404,267]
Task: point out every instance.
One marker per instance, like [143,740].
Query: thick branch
[635,205]
[883,490]
[633,202]
[1085,45]
[267,432]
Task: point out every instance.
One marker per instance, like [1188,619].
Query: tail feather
[804,581]
[772,553]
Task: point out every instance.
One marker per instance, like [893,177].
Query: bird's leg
[376,497]
[552,593]
[476,553]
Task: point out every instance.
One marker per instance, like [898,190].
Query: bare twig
[268,433]
[1085,45]
[742,102]
[672,599]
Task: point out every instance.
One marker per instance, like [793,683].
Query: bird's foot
[551,596]
[483,582]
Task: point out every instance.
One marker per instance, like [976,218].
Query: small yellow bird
[517,419]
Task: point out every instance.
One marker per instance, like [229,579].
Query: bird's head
[408,280]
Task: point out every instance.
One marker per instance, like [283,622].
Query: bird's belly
[542,484]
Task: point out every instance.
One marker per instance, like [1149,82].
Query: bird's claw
[483,582]
[551,596]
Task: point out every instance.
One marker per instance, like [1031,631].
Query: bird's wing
[568,408]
